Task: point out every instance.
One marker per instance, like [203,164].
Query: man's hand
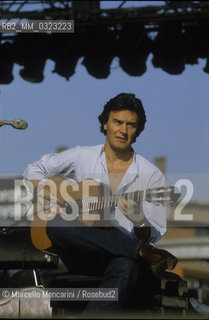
[131,210]
[46,202]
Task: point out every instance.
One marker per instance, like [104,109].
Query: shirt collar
[103,159]
[130,175]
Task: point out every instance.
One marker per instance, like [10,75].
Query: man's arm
[131,210]
[148,219]
[51,165]
[32,184]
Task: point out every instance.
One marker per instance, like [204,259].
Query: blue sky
[61,112]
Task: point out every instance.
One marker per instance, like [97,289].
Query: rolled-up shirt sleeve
[52,164]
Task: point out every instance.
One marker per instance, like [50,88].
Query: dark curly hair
[124,101]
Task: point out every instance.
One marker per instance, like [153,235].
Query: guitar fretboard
[103,202]
[157,196]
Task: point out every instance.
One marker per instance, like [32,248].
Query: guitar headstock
[162,195]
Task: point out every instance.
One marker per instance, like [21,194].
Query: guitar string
[103,202]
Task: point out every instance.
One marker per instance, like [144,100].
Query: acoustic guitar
[86,202]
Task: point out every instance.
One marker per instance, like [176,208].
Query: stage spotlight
[133,49]
[206,68]
[31,52]
[204,40]
[98,64]
[33,70]
[6,63]
[65,51]
[192,54]
[65,66]
[170,48]
[198,45]
[99,51]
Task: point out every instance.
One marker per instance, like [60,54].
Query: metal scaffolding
[174,32]
[89,12]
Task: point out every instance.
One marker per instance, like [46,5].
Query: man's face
[121,129]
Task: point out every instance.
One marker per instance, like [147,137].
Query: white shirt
[80,163]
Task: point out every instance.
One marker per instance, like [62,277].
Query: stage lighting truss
[175,33]
[88,13]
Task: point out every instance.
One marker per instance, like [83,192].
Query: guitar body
[61,189]
[38,234]
[85,202]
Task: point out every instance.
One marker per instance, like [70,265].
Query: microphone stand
[4,122]
[17,124]
[12,227]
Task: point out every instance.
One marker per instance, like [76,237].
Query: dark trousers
[96,250]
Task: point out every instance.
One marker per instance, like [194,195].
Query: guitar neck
[103,202]
[157,196]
